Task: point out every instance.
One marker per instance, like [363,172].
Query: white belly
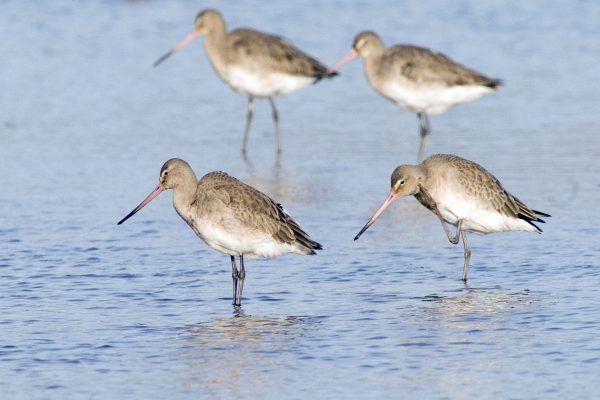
[477,217]
[239,241]
[431,99]
[263,83]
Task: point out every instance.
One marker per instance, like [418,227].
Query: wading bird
[253,63]
[421,80]
[461,193]
[231,217]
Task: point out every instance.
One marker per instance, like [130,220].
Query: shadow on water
[235,355]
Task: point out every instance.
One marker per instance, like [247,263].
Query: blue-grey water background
[92,310]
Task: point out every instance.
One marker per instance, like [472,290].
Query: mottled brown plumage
[262,50]
[428,67]
[477,183]
[218,193]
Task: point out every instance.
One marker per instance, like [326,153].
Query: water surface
[89,309]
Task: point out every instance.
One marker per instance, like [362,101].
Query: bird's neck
[184,195]
[374,51]
[372,63]
[425,198]
[215,41]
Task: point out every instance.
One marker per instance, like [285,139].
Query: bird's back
[429,67]
[272,53]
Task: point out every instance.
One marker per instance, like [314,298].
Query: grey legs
[234,276]
[454,238]
[424,130]
[276,122]
[467,255]
[249,115]
[248,123]
[238,280]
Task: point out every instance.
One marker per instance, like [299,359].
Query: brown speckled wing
[482,184]
[274,51]
[426,66]
[252,208]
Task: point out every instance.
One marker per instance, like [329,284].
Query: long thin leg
[453,238]
[276,122]
[425,130]
[240,284]
[234,275]
[428,201]
[248,123]
[467,255]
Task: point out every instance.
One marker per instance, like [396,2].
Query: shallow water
[89,309]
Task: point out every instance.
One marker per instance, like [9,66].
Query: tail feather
[305,241]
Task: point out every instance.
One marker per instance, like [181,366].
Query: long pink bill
[390,199]
[349,57]
[147,200]
[187,40]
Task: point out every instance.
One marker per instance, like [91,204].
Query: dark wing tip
[495,83]
[327,74]
[315,246]
[541,214]
[530,220]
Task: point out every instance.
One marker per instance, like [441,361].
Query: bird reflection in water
[282,184]
[480,311]
[233,356]
[479,301]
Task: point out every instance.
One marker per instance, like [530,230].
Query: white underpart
[230,237]
[431,99]
[263,84]
[476,216]
[251,244]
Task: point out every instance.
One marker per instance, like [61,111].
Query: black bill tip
[162,58]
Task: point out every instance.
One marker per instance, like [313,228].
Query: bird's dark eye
[166,173]
[402,182]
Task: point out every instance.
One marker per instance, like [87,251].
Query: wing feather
[253,209]
[423,65]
